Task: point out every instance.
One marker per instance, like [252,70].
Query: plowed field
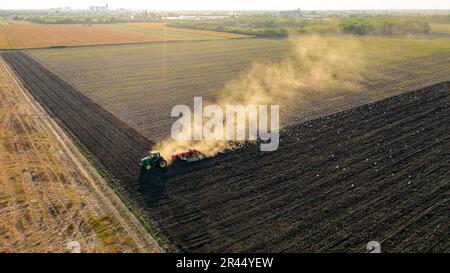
[376,172]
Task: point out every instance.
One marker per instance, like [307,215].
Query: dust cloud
[315,67]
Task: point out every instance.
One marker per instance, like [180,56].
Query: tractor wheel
[162,164]
[148,167]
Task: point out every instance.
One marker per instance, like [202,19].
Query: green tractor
[152,161]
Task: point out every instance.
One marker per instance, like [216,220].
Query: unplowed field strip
[376,172]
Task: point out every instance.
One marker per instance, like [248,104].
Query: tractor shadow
[152,185]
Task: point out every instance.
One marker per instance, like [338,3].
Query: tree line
[280,27]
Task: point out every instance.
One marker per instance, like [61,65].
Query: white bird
[74,247]
[374,247]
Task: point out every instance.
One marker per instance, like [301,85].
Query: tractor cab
[153,160]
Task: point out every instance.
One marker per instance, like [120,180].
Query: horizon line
[227,10]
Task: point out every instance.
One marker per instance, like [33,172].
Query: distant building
[291,13]
[98,8]
[61,9]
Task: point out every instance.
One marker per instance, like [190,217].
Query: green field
[141,83]
[3,22]
[170,34]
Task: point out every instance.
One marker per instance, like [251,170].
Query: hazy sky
[231,4]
